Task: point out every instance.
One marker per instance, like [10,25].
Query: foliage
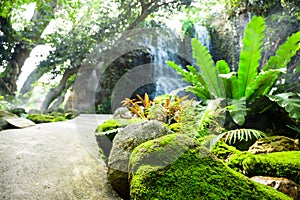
[246,85]
[235,7]
[164,108]
[138,108]
[4,105]
[236,135]
[290,102]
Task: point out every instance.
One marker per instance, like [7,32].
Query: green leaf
[262,84]
[284,53]
[207,68]
[290,102]
[230,84]
[250,54]
[238,110]
[222,67]
[193,77]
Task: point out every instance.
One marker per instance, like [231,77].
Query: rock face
[284,185]
[274,144]
[195,173]
[123,144]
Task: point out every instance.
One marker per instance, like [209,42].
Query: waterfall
[172,48]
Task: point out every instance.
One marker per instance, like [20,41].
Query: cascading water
[168,48]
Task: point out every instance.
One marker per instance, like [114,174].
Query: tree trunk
[57,91]
[21,48]
[35,75]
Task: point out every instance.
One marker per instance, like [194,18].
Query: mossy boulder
[123,144]
[116,123]
[274,144]
[106,132]
[50,117]
[278,164]
[194,173]
[223,151]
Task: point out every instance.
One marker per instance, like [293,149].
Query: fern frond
[202,93]
[263,83]
[207,67]
[241,134]
[250,54]
[198,77]
[222,67]
[284,53]
[238,110]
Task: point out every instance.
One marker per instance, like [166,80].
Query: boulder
[172,167]
[3,116]
[278,164]
[122,113]
[284,185]
[123,144]
[274,144]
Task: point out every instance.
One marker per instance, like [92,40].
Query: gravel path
[54,161]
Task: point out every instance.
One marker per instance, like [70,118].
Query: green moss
[46,118]
[175,127]
[196,175]
[161,151]
[116,123]
[223,150]
[279,164]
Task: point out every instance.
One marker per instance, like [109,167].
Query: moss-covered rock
[279,164]
[123,144]
[194,174]
[223,150]
[274,144]
[51,117]
[116,123]
[175,127]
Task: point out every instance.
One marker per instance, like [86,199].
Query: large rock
[172,167]
[123,144]
[3,116]
[284,185]
[274,144]
[278,164]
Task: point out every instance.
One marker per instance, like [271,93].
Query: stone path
[54,161]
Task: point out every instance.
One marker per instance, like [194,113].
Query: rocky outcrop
[274,144]
[123,144]
[284,185]
[172,167]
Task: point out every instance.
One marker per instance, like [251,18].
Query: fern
[199,86]
[284,53]
[263,84]
[250,54]
[238,110]
[207,67]
[233,136]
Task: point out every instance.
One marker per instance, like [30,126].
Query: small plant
[138,108]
